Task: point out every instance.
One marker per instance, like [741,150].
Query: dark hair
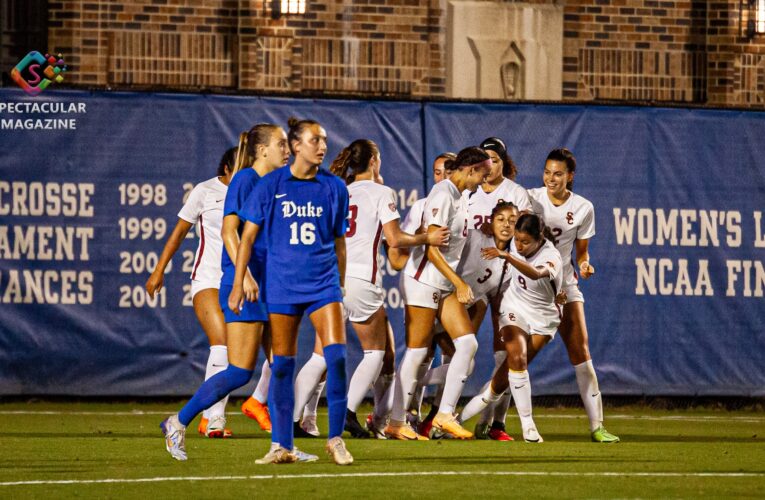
[566,156]
[227,161]
[247,151]
[534,226]
[296,128]
[354,159]
[509,169]
[501,206]
[466,157]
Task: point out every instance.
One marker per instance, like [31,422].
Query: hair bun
[292,122]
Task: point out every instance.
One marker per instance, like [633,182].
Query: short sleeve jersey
[538,295]
[204,208]
[574,220]
[413,220]
[481,203]
[445,207]
[241,187]
[482,275]
[371,205]
[301,219]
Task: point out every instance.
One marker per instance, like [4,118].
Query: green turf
[75,446]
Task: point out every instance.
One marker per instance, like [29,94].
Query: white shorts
[362,299]
[531,322]
[198,286]
[573,293]
[419,294]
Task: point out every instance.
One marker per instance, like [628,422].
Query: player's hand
[586,270]
[236,299]
[154,283]
[250,288]
[439,237]
[464,293]
[489,253]
[486,229]
[561,298]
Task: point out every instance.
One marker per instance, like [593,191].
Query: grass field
[99,450]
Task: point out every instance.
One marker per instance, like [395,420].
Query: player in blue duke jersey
[302,210]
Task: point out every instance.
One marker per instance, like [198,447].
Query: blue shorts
[303,307]
[251,311]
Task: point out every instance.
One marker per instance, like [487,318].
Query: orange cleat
[448,423]
[258,412]
[213,433]
[403,432]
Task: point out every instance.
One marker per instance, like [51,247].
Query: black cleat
[354,428]
[300,432]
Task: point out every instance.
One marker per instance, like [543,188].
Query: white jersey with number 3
[444,207]
[204,207]
[571,221]
[482,275]
[481,203]
[370,206]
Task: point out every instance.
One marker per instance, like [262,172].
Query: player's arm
[464,293]
[397,256]
[397,238]
[583,258]
[241,289]
[341,258]
[525,268]
[157,278]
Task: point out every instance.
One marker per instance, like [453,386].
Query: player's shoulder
[549,252]
[580,202]
[537,194]
[206,186]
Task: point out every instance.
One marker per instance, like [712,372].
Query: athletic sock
[383,392]
[306,382]
[310,408]
[587,381]
[520,386]
[281,400]
[445,360]
[478,403]
[405,381]
[459,370]
[213,390]
[501,407]
[419,391]
[261,390]
[336,388]
[366,373]
[487,415]
[217,361]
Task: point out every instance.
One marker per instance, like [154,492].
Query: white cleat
[216,427]
[531,435]
[309,425]
[376,426]
[336,449]
[303,456]
[175,437]
[277,455]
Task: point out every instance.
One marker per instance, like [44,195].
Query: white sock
[419,392]
[478,403]
[406,381]
[435,376]
[501,407]
[306,382]
[487,415]
[217,361]
[313,403]
[445,360]
[587,381]
[261,390]
[366,373]
[520,386]
[383,391]
[459,370]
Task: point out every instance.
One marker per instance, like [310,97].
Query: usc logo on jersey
[570,218]
[435,298]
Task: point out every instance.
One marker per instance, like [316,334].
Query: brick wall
[684,51]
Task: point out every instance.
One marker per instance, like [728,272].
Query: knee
[283,367]
[516,361]
[237,377]
[466,343]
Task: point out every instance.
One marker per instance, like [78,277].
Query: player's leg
[256,406]
[307,381]
[383,388]
[516,343]
[308,422]
[573,331]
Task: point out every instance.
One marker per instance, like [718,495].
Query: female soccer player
[528,311]
[431,289]
[266,145]
[204,208]
[373,213]
[303,211]
[572,221]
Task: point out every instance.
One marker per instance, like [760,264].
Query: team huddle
[281,241]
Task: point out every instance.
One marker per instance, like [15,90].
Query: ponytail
[242,158]
[354,159]
[247,151]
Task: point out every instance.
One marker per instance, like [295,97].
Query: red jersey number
[353,213]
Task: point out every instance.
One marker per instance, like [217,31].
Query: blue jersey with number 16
[301,219]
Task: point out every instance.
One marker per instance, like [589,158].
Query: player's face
[503,224]
[476,176]
[312,146]
[496,167]
[525,244]
[277,152]
[556,177]
[439,172]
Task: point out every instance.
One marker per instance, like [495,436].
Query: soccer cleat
[601,435]
[403,432]
[448,423]
[258,412]
[497,434]
[309,425]
[216,428]
[299,432]
[413,419]
[481,430]
[202,429]
[376,428]
[425,426]
[337,450]
[277,455]
[175,437]
[353,426]
[531,435]
[303,456]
